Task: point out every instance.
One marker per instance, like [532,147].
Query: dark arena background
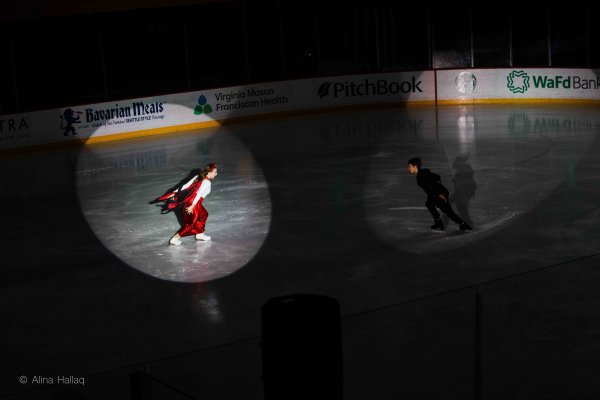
[323,279]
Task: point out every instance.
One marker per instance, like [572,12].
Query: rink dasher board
[213,107]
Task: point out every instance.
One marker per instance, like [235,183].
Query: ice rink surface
[322,204]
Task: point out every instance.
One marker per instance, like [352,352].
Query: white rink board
[201,108]
[518,83]
[198,107]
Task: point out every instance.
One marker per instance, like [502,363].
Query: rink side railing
[165,114]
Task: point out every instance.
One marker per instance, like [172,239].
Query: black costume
[432,185]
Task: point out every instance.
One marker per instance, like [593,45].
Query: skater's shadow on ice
[464,188]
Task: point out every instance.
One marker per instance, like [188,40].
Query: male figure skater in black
[437,195]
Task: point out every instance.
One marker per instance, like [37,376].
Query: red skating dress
[194,223]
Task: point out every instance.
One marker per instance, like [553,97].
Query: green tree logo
[518,82]
[203,107]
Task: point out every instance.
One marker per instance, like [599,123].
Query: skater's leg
[430,204]
[200,224]
[447,209]
[437,222]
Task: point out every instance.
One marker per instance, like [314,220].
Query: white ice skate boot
[174,241]
[202,236]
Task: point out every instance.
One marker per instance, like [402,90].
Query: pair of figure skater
[437,196]
[190,196]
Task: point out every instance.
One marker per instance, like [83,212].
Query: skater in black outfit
[437,195]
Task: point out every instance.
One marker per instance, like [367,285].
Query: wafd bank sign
[527,83]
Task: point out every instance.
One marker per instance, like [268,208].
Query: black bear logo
[70,117]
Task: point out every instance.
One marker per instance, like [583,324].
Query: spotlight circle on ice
[482,184]
[118,185]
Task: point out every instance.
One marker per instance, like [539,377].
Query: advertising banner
[400,87]
[517,84]
[191,110]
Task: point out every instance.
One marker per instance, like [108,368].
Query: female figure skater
[191,196]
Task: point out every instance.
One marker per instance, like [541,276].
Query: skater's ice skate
[203,237]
